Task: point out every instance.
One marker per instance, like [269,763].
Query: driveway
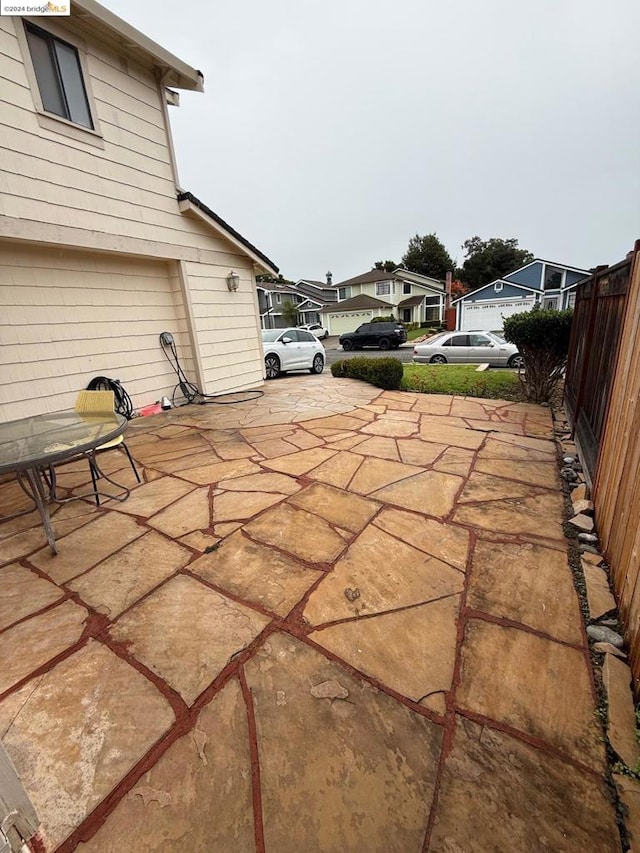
[333,619]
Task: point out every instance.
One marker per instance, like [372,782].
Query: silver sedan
[467,348]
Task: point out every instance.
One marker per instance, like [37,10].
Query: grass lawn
[419,333]
[461,379]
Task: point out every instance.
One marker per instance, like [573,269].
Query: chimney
[447,290]
[329,279]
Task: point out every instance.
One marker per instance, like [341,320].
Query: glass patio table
[29,445]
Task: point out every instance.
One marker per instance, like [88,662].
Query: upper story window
[344,293]
[406,288]
[553,277]
[383,288]
[498,287]
[59,75]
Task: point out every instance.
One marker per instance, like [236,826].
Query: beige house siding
[58,332]
[96,258]
[226,327]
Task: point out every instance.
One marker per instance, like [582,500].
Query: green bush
[411,327]
[542,338]
[384,373]
[389,319]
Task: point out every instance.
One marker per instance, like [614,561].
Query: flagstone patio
[331,619]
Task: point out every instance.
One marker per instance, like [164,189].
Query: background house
[307,295]
[100,247]
[410,297]
[552,285]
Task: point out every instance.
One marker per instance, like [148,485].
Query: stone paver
[184,621]
[386,574]
[534,685]
[336,506]
[320,608]
[75,732]
[256,573]
[23,593]
[357,773]
[31,644]
[431,493]
[411,651]
[123,579]
[202,774]
[301,534]
[528,584]
[501,794]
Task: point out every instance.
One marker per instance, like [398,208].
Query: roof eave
[174,71]
[189,204]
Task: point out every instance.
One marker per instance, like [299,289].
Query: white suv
[291,349]
[317,330]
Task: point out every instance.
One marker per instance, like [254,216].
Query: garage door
[69,316]
[490,315]
[346,321]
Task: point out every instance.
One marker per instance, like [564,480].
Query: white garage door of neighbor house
[490,315]
[340,322]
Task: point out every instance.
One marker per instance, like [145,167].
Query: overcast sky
[331,131]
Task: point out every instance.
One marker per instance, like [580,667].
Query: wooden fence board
[616,484]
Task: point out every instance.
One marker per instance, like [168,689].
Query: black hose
[123,404]
[191,392]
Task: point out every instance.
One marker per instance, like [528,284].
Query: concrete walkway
[332,619]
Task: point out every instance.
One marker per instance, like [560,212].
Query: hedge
[542,337]
[384,373]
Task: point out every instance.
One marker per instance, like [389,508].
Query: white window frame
[498,286]
[344,290]
[405,285]
[51,121]
[381,284]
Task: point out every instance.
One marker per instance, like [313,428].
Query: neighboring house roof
[187,202]
[411,302]
[399,274]
[531,288]
[551,264]
[498,295]
[95,19]
[370,275]
[358,302]
[317,291]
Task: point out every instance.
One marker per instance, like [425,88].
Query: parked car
[291,349]
[467,348]
[316,329]
[381,335]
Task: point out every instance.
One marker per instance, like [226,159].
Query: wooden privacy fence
[604,408]
[595,337]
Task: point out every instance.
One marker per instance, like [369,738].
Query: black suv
[381,335]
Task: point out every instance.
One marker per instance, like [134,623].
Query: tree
[267,278]
[488,260]
[387,266]
[289,313]
[458,288]
[427,256]
[542,338]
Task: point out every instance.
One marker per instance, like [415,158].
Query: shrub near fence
[385,373]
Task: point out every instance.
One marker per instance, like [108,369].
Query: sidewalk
[333,619]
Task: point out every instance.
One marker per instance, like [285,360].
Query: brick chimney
[329,279]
